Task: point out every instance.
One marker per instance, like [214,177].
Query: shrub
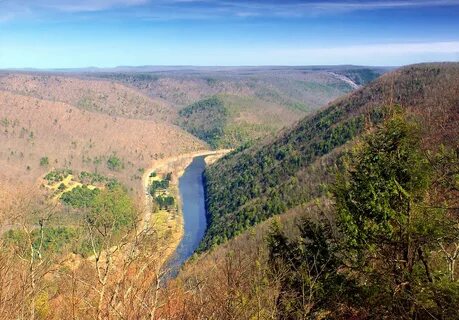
[57,175]
[114,163]
[158,185]
[112,209]
[54,238]
[80,197]
[165,202]
[44,161]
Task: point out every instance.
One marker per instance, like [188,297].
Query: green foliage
[241,132]
[248,186]
[158,185]
[57,175]
[53,240]
[251,185]
[114,163]
[205,119]
[96,178]
[5,122]
[389,178]
[158,190]
[165,202]
[362,76]
[44,161]
[91,178]
[389,224]
[80,197]
[384,260]
[112,184]
[112,210]
[306,269]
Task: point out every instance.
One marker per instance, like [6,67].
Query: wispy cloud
[10,10]
[376,5]
[88,5]
[14,8]
[303,8]
[211,8]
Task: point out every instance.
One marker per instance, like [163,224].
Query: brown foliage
[80,140]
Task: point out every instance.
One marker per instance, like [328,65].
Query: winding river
[194,211]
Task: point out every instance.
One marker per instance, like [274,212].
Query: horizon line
[89,68]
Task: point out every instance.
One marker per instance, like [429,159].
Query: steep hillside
[106,97]
[226,121]
[205,119]
[305,88]
[359,75]
[301,264]
[251,185]
[258,101]
[38,135]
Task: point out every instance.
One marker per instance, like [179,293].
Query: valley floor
[169,225]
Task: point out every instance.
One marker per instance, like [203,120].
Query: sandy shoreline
[176,165]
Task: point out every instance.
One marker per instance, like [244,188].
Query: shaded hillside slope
[106,97]
[249,186]
[38,135]
[226,121]
[233,281]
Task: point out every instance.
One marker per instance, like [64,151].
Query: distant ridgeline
[257,182]
[230,118]
[228,109]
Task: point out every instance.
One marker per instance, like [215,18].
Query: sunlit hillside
[251,185]
[303,263]
[38,135]
[106,97]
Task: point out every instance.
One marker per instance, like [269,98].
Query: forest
[250,185]
[350,214]
[391,251]
[262,183]
[205,119]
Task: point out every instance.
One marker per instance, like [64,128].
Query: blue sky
[108,33]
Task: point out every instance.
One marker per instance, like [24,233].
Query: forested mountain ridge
[382,244]
[296,87]
[258,101]
[38,135]
[111,98]
[368,230]
[367,192]
[251,185]
[227,121]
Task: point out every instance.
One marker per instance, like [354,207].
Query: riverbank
[170,225]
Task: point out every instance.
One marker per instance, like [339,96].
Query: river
[191,189]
